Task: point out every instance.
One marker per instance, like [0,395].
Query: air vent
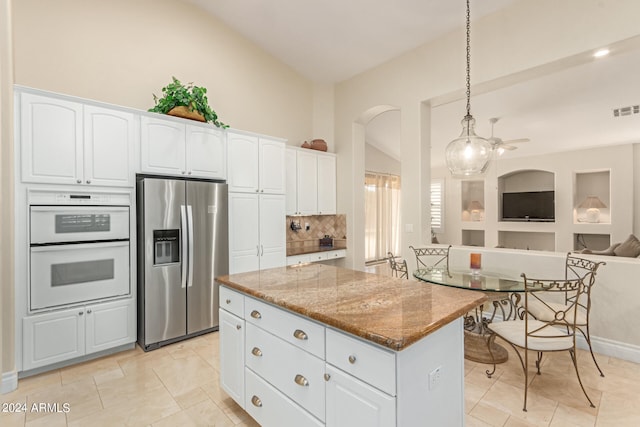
[626,111]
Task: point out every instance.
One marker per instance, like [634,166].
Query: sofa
[629,248]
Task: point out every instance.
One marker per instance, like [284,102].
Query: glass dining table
[504,295]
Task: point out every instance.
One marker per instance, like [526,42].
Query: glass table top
[483,281]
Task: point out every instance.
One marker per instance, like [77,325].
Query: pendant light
[469,154]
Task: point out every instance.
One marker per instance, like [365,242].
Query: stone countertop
[311,249]
[388,311]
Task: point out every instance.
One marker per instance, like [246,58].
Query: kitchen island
[319,345]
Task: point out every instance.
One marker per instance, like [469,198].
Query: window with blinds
[437,205]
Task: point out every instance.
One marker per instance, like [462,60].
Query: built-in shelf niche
[472,198]
[473,237]
[592,183]
[538,241]
[523,181]
[595,242]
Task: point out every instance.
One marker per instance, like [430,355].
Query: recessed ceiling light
[600,53]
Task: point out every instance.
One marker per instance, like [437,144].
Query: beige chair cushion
[513,331]
[628,248]
[546,312]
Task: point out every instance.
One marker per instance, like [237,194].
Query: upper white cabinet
[67,142]
[170,147]
[256,163]
[311,182]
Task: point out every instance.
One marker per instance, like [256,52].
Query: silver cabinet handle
[228,301]
[80,313]
[257,250]
[256,314]
[262,191]
[78,181]
[89,311]
[261,250]
[238,327]
[300,334]
[257,190]
[256,401]
[256,352]
[301,381]
[183,172]
[327,377]
[189,172]
[352,359]
[88,181]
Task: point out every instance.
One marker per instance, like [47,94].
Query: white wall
[123,51]
[377,161]
[506,43]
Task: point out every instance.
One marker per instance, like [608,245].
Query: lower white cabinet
[351,402]
[66,334]
[232,355]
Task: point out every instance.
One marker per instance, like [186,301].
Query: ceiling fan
[498,144]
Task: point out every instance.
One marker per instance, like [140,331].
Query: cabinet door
[273,233]
[307,177]
[232,356]
[272,166]
[353,403]
[51,140]
[109,139]
[162,146]
[52,337]
[109,325]
[206,153]
[326,184]
[242,164]
[291,186]
[244,237]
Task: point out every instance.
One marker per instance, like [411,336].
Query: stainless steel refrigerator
[182,235]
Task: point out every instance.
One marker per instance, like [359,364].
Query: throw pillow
[629,248]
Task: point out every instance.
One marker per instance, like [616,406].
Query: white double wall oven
[79,249]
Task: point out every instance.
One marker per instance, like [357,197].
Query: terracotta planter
[316,144]
[186,113]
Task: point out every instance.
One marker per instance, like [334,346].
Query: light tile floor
[178,385]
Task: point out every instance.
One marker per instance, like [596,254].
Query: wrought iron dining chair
[575,267]
[431,257]
[398,266]
[556,334]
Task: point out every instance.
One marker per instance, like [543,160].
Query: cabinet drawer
[269,407]
[296,373]
[232,301]
[340,253]
[373,365]
[318,256]
[292,328]
[298,259]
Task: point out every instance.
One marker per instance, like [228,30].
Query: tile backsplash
[319,225]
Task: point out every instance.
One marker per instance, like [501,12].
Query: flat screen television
[528,206]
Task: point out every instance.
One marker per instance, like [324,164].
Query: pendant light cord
[468,116]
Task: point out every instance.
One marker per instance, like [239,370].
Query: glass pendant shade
[469,154]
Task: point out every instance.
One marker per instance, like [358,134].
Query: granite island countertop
[311,250]
[388,311]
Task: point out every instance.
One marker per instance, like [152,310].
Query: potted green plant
[186,101]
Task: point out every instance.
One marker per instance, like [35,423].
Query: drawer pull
[238,327]
[352,359]
[300,380]
[327,377]
[256,352]
[256,314]
[228,301]
[301,335]
[256,401]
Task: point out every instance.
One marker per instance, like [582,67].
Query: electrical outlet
[434,378]
[307,226]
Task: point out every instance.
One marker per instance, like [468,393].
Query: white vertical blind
[437,205]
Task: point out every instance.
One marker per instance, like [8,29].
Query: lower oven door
[69,274]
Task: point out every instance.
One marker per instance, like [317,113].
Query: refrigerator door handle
[184,251]
[191,255]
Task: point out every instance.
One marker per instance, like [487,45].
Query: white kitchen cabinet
[66,334]
[313,191]
[326,184]
[169,147]
[232,343]
[256,164]
[67,142]
[257,233]
[353,403]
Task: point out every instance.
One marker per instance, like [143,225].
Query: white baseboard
[9,382]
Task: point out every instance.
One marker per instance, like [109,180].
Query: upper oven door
[58,224]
